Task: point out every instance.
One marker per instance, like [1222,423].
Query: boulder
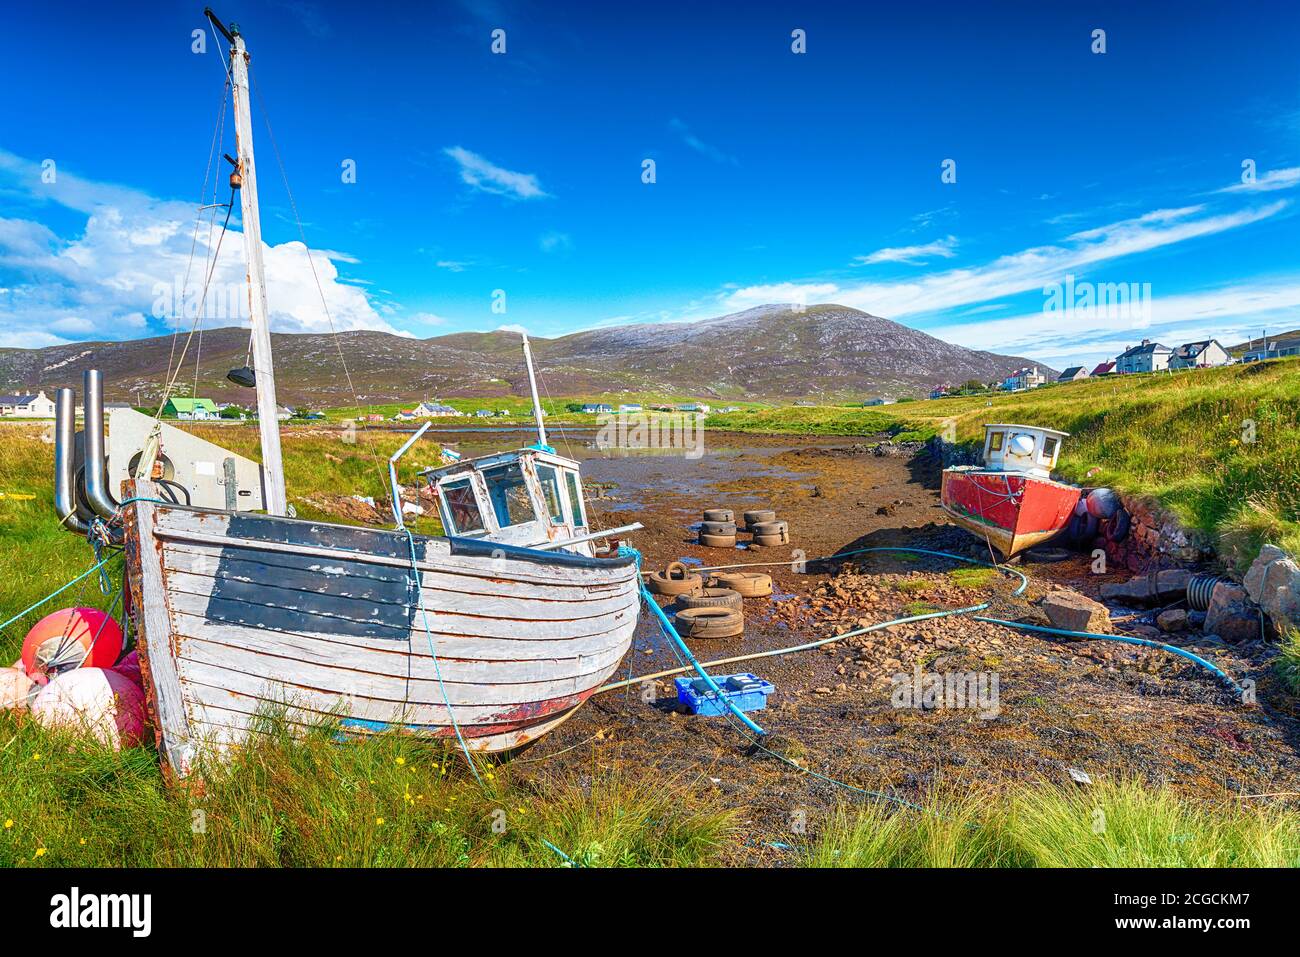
[1273,583]
[1231,614]
[1175,619]
[1073,612]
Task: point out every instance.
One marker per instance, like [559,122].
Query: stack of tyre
[712,607]
[765,530]
[718,530]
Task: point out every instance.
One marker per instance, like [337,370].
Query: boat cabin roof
[1005,426]
[546,456]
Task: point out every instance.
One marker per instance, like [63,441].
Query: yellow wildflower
[40,852]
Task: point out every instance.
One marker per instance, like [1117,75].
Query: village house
[693,407]
[597,408]
[482,413]
[880,400]
[629,407]
[1073,374]
[1102,368]
[939,391]
[1147,357]
[1205,354]
[1027,378]
[433,410]
[196,410]
[27,405]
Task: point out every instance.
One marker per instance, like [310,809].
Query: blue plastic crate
[747,692]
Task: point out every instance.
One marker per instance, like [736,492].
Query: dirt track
[1105,708]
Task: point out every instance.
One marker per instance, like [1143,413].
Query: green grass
[1287,665]
[973,576]
[806,420]
[310,802]
[1125,824]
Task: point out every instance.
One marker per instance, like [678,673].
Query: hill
[771,352]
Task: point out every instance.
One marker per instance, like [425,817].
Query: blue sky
[779,177]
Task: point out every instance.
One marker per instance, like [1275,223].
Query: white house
[1027,378]
[693,407]
[28,406]
[1199,355]
[433,410]
[597,408]
[1073,374]
[628,407]
[880,400]
[1147,357]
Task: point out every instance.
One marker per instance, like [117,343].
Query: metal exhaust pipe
[101,500]
[65,500]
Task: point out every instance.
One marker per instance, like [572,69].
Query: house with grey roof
[1199,355]
[1147,356]
[1073,374]
[27,405]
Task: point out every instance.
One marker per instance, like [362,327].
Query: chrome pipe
[101,500]
[65,498]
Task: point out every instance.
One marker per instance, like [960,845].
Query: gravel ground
[1105,708]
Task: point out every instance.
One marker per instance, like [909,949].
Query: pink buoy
[98,702]
[15,686]
[61,639]
[130,666]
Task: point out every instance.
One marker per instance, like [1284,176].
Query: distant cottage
[1147,357]
[1103,368]
[597,408]
[191,409]
[1205,354]
[29,406]
[1073,374]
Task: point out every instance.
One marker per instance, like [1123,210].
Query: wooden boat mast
[268,424]
[532,385]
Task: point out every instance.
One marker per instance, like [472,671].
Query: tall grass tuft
[1117,824]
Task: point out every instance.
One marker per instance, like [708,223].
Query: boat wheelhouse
[1011,501]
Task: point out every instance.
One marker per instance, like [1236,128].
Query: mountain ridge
[775,351]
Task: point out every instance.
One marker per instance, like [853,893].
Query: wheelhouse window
[1049,449]
[995,441]
[575,498]
[550,482]
[508,492]
[462,511]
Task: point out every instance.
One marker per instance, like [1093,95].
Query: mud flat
[1111,710]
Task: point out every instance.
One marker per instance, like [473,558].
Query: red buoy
[59,641]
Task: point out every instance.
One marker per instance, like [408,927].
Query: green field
[393,801]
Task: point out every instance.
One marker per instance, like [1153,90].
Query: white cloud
[554,242]
[701,147]
[482,174]
[1273,179]
[1013,273]
[912,255]
[453,265]
[130,261]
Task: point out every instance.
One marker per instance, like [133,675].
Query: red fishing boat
[1011,501]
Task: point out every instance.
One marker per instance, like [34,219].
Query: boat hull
[1011,510]
[239,614]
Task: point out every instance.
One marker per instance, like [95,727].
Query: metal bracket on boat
[392,474]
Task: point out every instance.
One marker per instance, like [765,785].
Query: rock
[1175,619]
[1231,615]
[1073,612]
[886,510]
[1273,583]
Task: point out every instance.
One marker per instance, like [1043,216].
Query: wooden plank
[209,685]
[446,647]
[306,621]
[387,676]
[165,696]
[305,590]
[201,559]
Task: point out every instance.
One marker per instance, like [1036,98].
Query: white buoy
[15,686]
[97,702]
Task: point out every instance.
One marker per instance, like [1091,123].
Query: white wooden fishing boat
[494,634]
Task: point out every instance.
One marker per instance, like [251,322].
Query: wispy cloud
[554,242]
[1273,179]
[484,175]
[701,147]
[453,265]
[1013,273]
[912,255]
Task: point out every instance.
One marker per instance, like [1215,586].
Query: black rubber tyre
[718,528]
[770,541]
[1118,526]
[720,515]
[709,623]
[717,541]
[1044,554]
[746,584]
[712,598]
